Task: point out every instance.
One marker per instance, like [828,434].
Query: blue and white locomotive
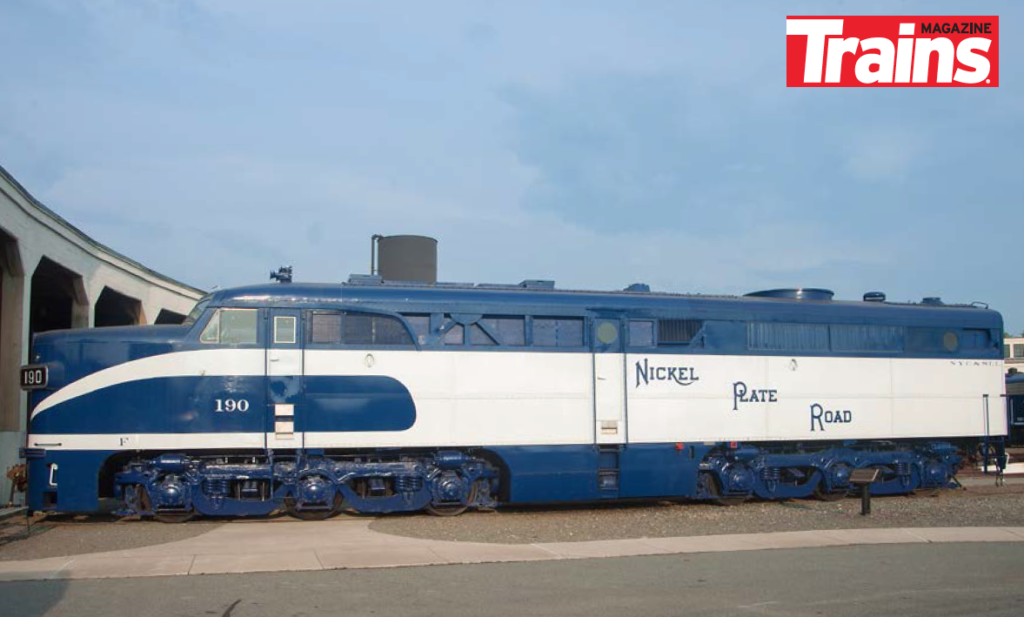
[377,396]
[1015,409]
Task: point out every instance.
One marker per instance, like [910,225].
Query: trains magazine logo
[924,51]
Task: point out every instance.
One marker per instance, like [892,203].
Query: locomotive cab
[74,437]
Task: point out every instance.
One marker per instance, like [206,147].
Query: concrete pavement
[909,580]
[350,544]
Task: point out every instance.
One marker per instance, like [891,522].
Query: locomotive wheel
[163,517]
[312,515]
[176,517]
[727,501]
[454,509]
[732,501]
[821,494]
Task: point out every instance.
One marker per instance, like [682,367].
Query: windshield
[196,311]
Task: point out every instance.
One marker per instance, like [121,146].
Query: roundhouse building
[1013,352]
[54,276]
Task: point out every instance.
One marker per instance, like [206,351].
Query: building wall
[1013,351]
[35,240]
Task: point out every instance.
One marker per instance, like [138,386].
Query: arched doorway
[116,309]
[58,298]
[169,317]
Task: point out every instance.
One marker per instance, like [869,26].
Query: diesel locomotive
[1015,409]
[379,396]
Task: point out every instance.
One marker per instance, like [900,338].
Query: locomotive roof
[470,298]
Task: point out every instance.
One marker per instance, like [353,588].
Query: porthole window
[607,333]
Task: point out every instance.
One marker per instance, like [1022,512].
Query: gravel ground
[982,504]
[977,506]
[60,537]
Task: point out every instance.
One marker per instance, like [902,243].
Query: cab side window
[284,329]
[363,329]
[325,328]
[231,327]
[641,333]
[368,329]
[557,331]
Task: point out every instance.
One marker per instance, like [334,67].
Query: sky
[594,143]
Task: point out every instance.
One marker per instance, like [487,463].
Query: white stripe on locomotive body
[524,398]
[148,441]
[200,363]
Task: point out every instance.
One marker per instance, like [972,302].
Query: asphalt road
[905,580]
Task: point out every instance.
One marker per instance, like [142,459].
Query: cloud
[596,145]
[850,191]
[881,153]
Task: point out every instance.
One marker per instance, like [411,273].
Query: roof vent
[932,301]
[799,293]
[537,284]
[874,296]
[639,287]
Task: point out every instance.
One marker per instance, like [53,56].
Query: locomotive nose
[45,372]
[40,380]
